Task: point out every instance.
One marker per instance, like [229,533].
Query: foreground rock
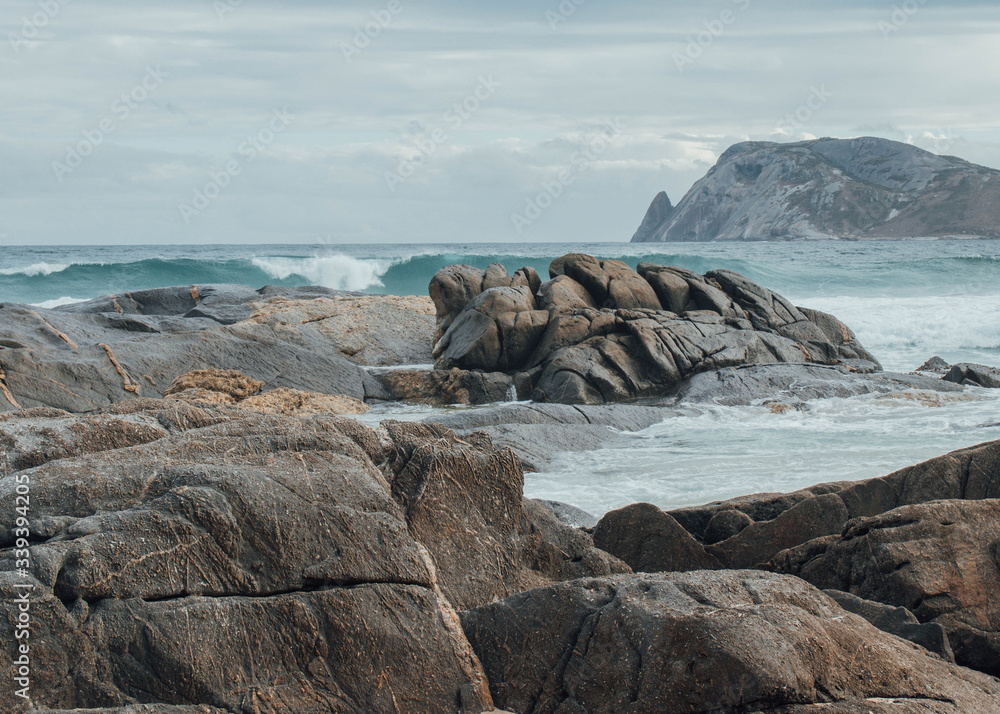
[600,332]
[704,642]
[191,554]
[939,560]
[90,355]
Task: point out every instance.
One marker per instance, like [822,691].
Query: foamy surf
[35,269]
[718,452]
[337,272]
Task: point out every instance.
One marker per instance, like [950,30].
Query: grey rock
[936,559]
[797,384]
[657,214]
[977,375]
[934,364]
[215,557]
[536,431]
[90,355]
[864,188]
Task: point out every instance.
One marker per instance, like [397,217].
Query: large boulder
[211,556]
[705,642]
[600,332]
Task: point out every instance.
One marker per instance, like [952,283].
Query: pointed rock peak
[659,211]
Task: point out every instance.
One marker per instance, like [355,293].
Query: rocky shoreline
[209,533]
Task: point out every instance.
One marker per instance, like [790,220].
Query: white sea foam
[49,304]
[903,332]
[35,269]
[338,272]
[723,452]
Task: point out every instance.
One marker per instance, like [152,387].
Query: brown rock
[224,381]
[703,642]
[649,540]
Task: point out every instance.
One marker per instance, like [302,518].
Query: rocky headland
[861,189]
[208,532]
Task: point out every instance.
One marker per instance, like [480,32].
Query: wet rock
[934,364]
[977,375]
[536,432]
[570,515]
[705,641]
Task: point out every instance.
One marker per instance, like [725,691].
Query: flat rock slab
[89,355]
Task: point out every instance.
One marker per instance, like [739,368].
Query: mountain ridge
[865,188]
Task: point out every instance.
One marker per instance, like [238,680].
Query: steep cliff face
[864,188]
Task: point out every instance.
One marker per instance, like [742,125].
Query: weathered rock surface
[830,189]
[703,642]
[939,560]
[368,330]
[89,355]
[202,555]
[600,332]
[897,621]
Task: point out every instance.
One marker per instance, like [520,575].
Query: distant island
[858,189]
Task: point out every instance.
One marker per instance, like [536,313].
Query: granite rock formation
[600,332]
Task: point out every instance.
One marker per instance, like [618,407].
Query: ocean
[906,300]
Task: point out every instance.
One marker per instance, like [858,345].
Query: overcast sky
[437,120]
